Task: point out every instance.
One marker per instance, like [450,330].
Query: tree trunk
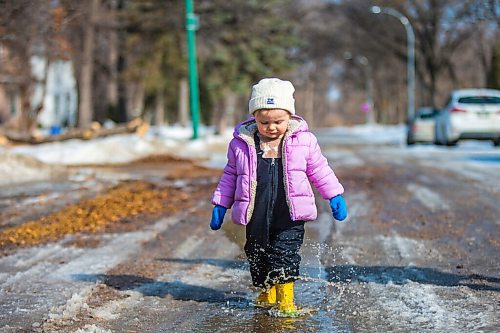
[218,117]
[86,107]
[432,90]
[183,102]
[25,122]
[493,74]
[112,84]
[122,106]
[135,102]
[224,114]
[159,108]
[309,106]
[230,108]
[137,125]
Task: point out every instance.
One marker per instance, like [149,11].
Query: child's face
[272,123]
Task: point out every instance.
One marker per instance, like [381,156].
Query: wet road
[419,252]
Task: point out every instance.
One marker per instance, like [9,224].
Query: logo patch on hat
[270,100]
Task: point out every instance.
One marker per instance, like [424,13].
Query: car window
[479,100]
[427,115]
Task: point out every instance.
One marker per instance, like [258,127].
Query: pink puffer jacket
[302,162]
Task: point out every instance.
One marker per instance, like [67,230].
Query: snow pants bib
[273,240]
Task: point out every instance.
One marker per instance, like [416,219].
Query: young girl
[270,160]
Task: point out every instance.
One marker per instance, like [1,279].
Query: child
[265,181]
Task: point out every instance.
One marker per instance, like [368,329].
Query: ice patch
[414,304]
[109,255]
[190,244]
[92,329]
[32,256]
[74,306]
[428,198]
[343,158]
[403,250]
[359,205]
[111,310]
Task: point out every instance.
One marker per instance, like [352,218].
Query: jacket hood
[246,129]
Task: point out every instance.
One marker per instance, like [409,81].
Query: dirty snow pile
[42,162]
[16,168]
[120,148]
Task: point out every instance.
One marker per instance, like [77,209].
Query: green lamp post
[194,102]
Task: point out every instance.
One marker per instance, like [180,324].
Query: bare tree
[86,110]
[26,28]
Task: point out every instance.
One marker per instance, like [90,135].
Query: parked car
[420,127]
[469,114]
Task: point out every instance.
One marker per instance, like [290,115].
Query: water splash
[339,288]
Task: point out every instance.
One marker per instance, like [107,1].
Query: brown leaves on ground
[128,203]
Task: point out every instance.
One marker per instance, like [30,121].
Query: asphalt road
[418,253]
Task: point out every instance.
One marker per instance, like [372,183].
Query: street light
[410,37]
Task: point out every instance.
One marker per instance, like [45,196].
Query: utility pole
[370,114]
[362,60]
[194,102]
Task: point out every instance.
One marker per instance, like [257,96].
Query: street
[418,252]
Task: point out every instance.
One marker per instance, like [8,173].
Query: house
[60,100]
[55,86]
[10,101]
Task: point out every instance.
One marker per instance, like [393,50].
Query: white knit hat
[272,93]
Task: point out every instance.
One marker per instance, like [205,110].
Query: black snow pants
[273,240]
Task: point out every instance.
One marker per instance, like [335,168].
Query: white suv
[469,114]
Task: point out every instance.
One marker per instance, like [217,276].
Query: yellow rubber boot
[266,298]
[284,298]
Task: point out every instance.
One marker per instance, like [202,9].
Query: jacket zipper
[274,186]
[251,169]
[285,177]
[273,183]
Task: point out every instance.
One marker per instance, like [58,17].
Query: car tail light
[455,109]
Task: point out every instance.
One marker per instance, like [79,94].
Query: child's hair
[272,93]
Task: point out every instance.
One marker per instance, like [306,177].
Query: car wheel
[450,143]
[496,142]
[436,139]
[447,141]
[436,135]
[409,140]
[439,140]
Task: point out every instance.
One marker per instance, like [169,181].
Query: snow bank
[367,134]
[115,149]
[15,168]
[123,148]
[42,162]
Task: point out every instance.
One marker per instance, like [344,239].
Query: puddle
[317,296]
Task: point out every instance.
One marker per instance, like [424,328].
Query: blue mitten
[339,208]
[217,217]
